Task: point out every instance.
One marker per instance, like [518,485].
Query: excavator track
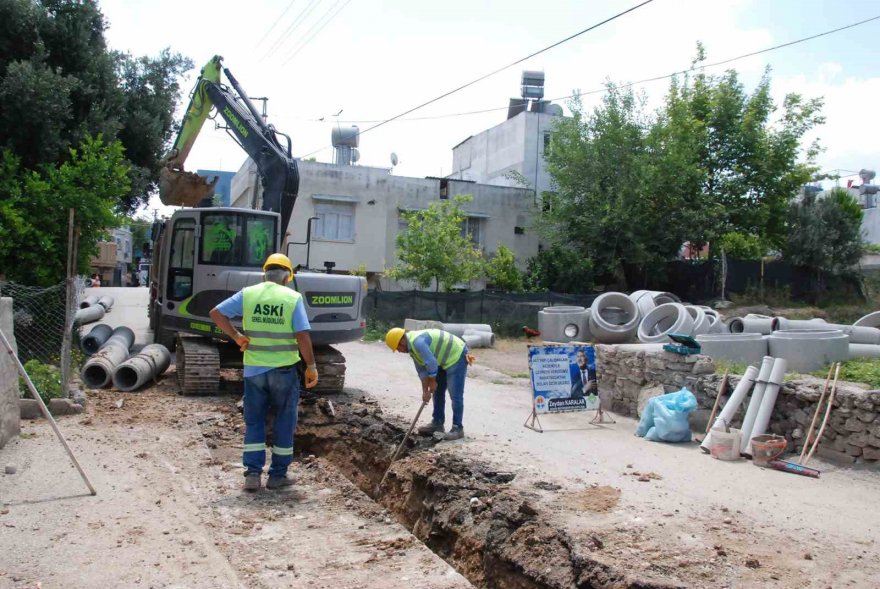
[331,370]
[198,365]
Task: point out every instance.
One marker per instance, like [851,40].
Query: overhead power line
[628,84]
[499,70]
[274,22]
[323,22]
[300,18]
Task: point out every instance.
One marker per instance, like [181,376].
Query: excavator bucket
[183,189]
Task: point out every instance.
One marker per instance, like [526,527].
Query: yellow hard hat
[279,260]
[393,337]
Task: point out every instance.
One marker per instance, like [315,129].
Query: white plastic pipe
[777,377]
[755,401]
[731,407]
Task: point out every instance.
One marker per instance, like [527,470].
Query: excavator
[204,253]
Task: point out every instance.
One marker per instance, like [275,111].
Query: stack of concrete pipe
[89,301]
[806,344]
[767,382]
[613,318]
[98,370]
[151,362]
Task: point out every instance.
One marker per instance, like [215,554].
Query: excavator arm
[277,168]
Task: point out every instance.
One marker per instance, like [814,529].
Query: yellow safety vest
[268,321]
[447,348]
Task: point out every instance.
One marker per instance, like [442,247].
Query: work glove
[243,341]
[429,385]
[311,376]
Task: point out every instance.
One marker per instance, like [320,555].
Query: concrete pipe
[88,315]
[648,300]
[806,350]
[106,301]
[563,324]
[479,339]
[89,301]
[863,351]
[460,328]
[735,325]
[150,363]
[614,318]
[701,320]
[92,342]
[869,320]
[762,420]
[757,324]
[98,370]
[857,334]
[755,402]
[665,319]
[740,348]
[731,406]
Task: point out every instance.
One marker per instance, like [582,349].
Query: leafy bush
[741,246]
[502,272]
[46,379]
[376,330]
[560,269]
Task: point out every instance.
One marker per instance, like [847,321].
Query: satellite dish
[394,159]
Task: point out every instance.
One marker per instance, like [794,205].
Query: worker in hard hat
[441,360]
[276,333]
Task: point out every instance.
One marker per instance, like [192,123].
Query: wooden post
[68,310]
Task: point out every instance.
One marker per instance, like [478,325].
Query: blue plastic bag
[665,418]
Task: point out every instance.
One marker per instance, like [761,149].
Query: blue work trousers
[279,389]
[453,379]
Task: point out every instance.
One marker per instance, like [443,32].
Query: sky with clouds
[373,59]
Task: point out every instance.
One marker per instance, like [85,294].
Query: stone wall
[9,413]
[852,433]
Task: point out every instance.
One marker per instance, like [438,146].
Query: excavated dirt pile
[464,511]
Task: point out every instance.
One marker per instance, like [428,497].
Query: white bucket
[726,445]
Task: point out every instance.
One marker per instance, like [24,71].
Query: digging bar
[818,437]
[400,447]
[816,416]
[45,411]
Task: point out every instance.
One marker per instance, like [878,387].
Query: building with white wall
[353,215]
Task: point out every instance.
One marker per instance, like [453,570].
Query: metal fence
[507,313]
[42,322]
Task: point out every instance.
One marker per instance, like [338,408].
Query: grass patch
[376,330]
[864,370]
[520,375]
[722,364]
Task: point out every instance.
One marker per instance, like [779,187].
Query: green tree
[34,210]
[434,249]
[714,160]
[742,247]
[559,268]
[825,233]
[598,163]
[502,272]
[59,83]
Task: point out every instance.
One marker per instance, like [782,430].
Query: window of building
[444,189]
[335,221]
[472,227]
[519,230]
[546,144]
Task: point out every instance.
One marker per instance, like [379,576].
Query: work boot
[456,433]
[429,429]
[279,482]
[252,482]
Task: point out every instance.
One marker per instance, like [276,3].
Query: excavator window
[180,268]
[236,239]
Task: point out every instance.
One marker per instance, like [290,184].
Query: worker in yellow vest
[441,360]
[276,332]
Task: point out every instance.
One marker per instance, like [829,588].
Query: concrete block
[10,423]
[64,407]
[29,409]
[834,456]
